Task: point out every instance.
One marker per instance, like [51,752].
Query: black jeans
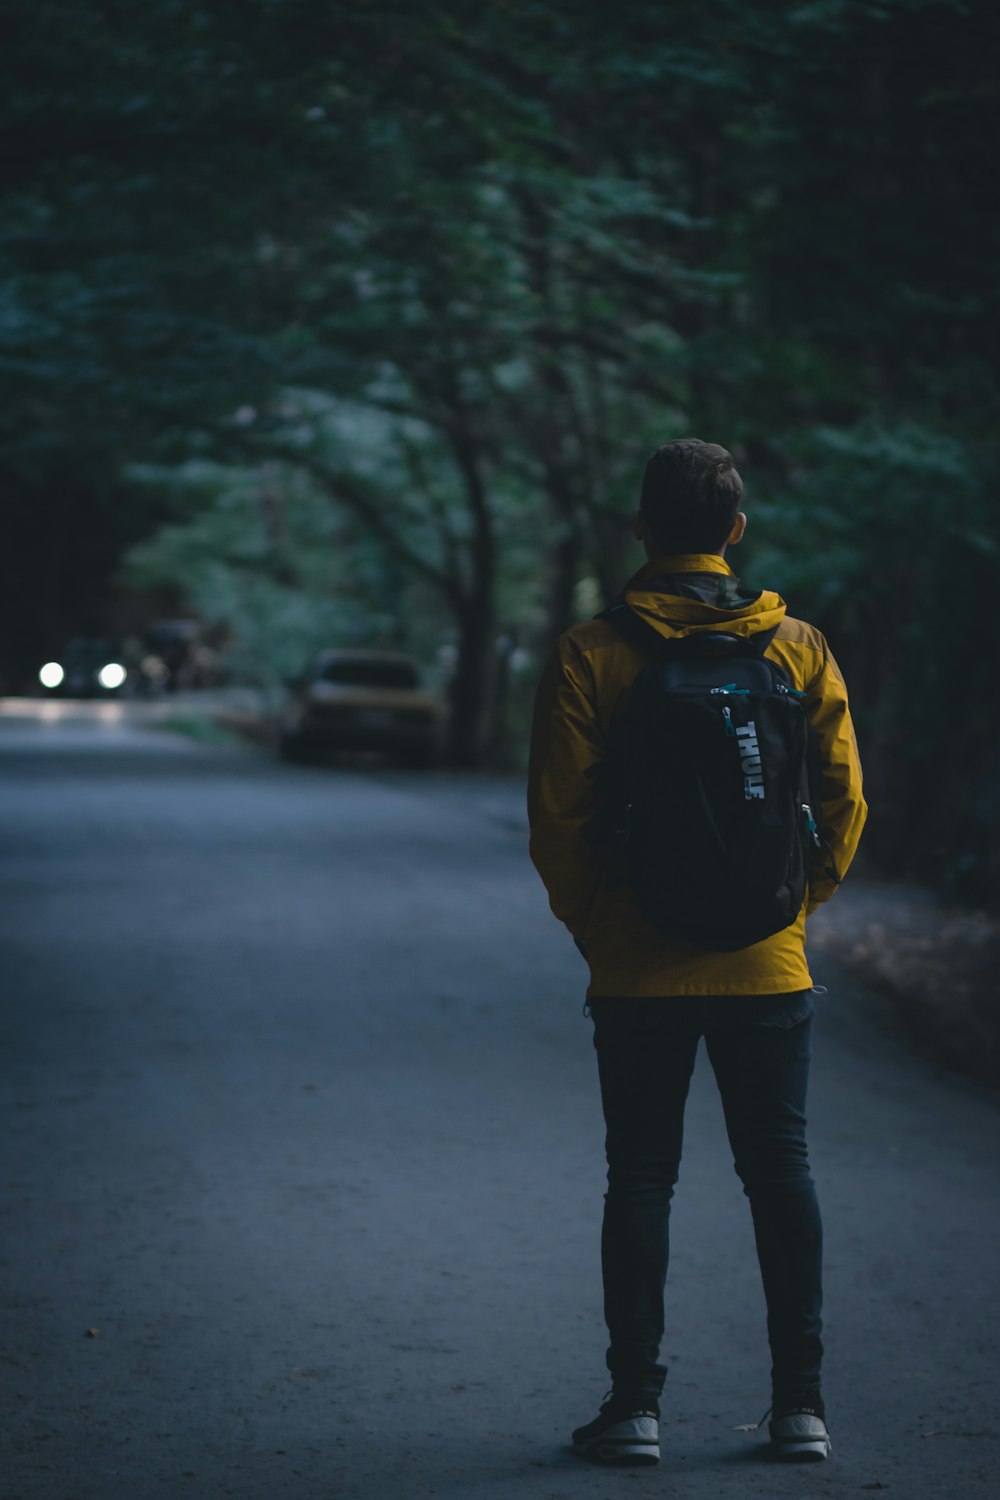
[759,1047]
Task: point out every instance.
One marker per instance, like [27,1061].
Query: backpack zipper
[727,723]
[811,824]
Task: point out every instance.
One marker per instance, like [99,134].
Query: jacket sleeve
[567,748]
[842,809]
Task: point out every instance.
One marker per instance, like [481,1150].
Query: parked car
[365,700]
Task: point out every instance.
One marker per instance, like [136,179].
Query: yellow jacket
[583,689]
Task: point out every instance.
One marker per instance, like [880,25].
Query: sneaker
[626,1431]
[798,1428]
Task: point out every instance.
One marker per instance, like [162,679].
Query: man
[653,997]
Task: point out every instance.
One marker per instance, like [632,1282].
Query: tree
[522,246]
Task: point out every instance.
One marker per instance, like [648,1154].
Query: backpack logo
[753,773]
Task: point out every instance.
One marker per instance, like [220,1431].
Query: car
[88,668]
[357,700]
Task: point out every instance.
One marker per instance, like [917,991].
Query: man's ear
[739,526]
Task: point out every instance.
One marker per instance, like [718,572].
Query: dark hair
[690,496]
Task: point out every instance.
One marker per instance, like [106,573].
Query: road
[305,1168]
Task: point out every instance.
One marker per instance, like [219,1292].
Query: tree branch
[347,491]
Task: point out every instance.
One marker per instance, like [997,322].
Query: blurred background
[334,336]
[330,325]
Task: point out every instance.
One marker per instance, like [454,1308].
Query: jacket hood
[697,592]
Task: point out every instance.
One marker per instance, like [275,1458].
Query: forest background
[355,323]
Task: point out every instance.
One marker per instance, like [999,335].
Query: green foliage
[439,276]
[889,539]
[261,552]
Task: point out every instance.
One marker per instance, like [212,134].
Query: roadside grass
[935,963]
[204,728]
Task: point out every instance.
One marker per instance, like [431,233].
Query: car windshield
[81,652]
[383,674]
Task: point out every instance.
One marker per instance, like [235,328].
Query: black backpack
[706,788]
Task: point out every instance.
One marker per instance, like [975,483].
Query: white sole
[634,1442]
[620,1453]
[804,1452]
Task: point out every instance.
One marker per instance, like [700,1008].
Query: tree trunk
[563,559]
[472,685]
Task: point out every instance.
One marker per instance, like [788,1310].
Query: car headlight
[51,675]
[112,676]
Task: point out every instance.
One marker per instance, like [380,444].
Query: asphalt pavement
[304,1166]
